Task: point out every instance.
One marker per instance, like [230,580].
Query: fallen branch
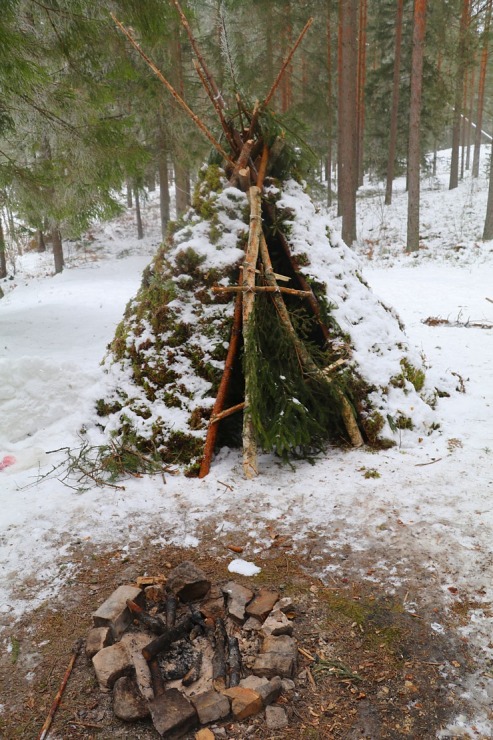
[56,702]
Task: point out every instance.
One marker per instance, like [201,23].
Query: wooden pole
[249,267]
[210,440]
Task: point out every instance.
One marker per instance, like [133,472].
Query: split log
[162,643]
[234,661]
[219,672]
[154,624]
[249,267]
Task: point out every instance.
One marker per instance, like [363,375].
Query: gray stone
[128,704]
[283,645]
[268,691]
[211,706]
[172,714]
[252,625]
[276,718]
[262,604]
[285,604]
[213,607]
[287,686]
[188,582]
[134,642]
[238,597]
[110,664]
[274,664]
[278,657]
[277,624]
[97,639]
[114,612]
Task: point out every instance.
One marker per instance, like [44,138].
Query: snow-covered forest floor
[415,520]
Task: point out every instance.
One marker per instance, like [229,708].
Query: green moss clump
[415,376]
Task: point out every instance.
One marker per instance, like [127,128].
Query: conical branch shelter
[253,326]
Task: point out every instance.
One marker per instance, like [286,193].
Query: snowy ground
[431,509]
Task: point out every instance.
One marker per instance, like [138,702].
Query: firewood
[154,624]
[157,677]
[234,661]
[219,672]
[162,643]
[170,610]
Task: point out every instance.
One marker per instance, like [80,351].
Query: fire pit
[188,653]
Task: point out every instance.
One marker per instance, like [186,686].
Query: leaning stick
[227,412]
[210,78]
[215,103]
[200,124]
[234,341]
[56,702]
[280,75]
[263,166]
[249,267]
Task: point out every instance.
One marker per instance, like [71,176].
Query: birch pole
[249,265]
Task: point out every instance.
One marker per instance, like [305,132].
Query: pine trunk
[41,241]
[459,97]
[330,116]
[481,89]
[138,214]
[164,197]
[414,156]
[347,119]
[488,223]
[182,188]
[56,240]
[3,259]
[394,116]
[363,17]
[129,195]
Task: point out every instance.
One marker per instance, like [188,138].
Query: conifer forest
[373,87]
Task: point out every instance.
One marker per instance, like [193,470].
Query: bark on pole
[395,103]
[249,442]
[413,170]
